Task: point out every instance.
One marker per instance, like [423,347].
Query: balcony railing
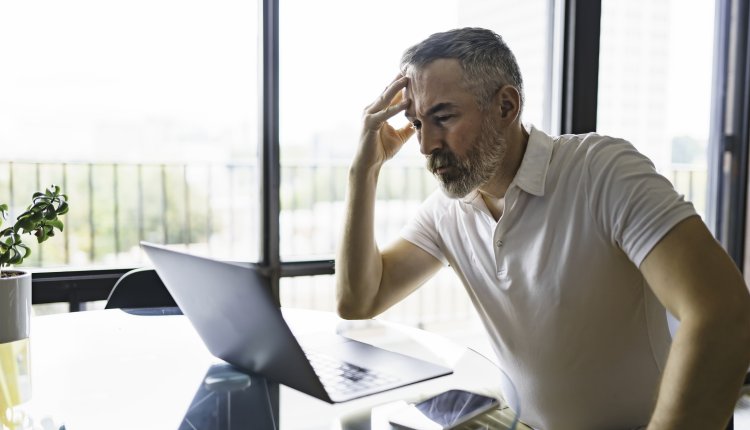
[213,209]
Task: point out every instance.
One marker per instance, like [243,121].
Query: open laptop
[233,311]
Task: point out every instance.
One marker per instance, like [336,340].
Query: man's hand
[380,141]
[369,281]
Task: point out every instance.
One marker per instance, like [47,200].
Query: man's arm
[700,285]
[369,281]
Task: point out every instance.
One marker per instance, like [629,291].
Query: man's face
[464,146]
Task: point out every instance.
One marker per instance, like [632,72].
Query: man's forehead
[440,72]
[438,83]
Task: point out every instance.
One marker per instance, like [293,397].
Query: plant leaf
[26,250]
[56,223]
[16,257]
[63,209]
[26,225]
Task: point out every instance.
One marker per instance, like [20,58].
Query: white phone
[444,411]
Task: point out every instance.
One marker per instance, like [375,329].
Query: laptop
[232,309]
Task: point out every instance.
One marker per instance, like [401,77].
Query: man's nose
[429,140]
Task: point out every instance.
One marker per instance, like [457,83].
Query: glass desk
[148,369]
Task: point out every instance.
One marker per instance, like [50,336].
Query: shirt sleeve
[423,231]
[634,206]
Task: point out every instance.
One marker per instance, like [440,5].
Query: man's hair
[485,59]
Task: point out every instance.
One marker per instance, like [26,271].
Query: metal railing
[116,205]
[212,209]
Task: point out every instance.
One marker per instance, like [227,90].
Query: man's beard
[480,164]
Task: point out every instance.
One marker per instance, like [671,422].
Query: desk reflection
[229,399]
[148,369]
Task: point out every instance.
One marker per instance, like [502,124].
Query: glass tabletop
[148,369]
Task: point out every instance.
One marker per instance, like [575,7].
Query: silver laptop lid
[232,309]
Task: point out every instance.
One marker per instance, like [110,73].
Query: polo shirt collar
[532,174]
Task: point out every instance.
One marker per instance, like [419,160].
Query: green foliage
[39,219]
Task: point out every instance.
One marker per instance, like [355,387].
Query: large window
[330,69]
[655,85]
[145,112]
[148,113]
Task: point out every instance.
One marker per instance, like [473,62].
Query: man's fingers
[379,117]
[396,137]
[398,98]
[387,98]
[405,132]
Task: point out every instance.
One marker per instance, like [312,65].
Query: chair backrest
[139,288]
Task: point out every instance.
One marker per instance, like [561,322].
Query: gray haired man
[570,247]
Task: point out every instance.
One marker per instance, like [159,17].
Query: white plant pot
[15,306]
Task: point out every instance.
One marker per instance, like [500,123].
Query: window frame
[729,136]
[575,74]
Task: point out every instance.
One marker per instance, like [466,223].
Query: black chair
[139,288]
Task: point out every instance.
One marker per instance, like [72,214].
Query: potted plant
[41,220]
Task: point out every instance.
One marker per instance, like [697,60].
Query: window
[145,112]
[330,69]
[655,85]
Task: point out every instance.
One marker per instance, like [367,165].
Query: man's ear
[508,101]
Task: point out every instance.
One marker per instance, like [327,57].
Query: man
[570,247]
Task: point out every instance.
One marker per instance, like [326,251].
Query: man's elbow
[352,311]
[738,333]
[742,328]
[351,306]
[733,322]
[739,315]
[354,303]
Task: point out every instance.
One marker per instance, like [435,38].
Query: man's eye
[443,118]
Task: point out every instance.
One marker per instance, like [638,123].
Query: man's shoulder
[588,149]
[589,142]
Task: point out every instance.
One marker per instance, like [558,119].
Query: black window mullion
[736,237]
[269,148]
[730,128]
[307,268]
[580,80]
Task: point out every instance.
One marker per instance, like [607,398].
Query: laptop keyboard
[346,378]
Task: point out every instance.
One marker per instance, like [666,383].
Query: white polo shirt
[556,279]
